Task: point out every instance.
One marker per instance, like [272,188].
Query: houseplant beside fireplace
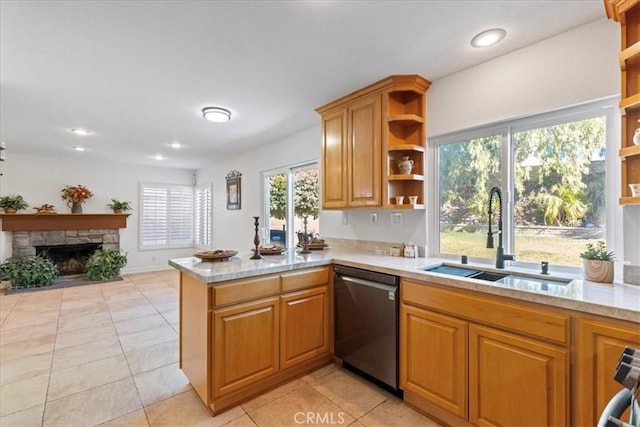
[28,272]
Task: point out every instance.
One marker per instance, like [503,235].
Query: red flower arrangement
[76,194]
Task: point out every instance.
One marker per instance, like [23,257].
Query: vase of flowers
[75,196]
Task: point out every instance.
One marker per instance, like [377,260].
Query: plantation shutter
[166,220]
[202,211]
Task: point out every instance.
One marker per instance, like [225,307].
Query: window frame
[207,216]
[606,107]
[289,171]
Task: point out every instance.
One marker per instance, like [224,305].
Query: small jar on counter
[410,250]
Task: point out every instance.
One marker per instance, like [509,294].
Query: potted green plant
[13,203]
[104,264]
[118,206]
[28,272]
[597,262]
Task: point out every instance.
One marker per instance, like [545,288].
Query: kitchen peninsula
[249,325]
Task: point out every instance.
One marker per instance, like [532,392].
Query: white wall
[40,180]
[233,229]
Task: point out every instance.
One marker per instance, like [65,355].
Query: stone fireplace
[66,239]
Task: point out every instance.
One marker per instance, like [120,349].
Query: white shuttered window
[202,211]
[166,220]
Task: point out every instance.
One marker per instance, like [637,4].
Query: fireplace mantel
[63,221]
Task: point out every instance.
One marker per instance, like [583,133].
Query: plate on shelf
[216,255]
[272,250]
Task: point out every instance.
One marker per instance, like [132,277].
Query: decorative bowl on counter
[215,255]
[272,249]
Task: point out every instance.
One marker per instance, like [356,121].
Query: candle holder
[256,239]
[305,238]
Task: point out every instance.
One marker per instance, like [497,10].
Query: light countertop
[618,300]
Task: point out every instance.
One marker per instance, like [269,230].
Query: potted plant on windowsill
[118,206]
[597,263]
[13,203]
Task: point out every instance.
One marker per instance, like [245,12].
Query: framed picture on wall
[233,190]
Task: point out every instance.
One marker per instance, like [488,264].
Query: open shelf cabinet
[627,13]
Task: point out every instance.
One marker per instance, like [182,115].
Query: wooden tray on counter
[215,255]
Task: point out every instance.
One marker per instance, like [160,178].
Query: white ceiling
[137,73]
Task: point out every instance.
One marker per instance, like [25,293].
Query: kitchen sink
[506,278]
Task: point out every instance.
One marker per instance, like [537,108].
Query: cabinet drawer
[245,290]
[501,312]
[307,278]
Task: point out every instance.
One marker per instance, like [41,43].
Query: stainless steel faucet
[500,255]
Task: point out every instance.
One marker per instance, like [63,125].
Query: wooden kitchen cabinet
[627,13]
[433,348]
[516,381]
[245,344]
[242,337]
[334,159]
[304,326]
[469,358]
[365,133]
[599,344]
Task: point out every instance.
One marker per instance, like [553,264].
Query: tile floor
[106,355]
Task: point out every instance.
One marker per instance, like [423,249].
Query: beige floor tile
[82,301]
[164,300]
[135,419]
[142,310]
[138,324]
[187,409]
[147,338]
[293,408]
[319,373]
[31,417]
[128,304]
[170,316]
[161,383]
[86,376]
[85,353]
[395,413]
[353,394]
[84,321]
[79,311]
[166,305]
[24,367]
[21,318]
[95,406]
[83,336]
[272,395]
[128,294]
[152,357]
[243,421]
[7,302]
[23,394]
[10,336]
[28,347]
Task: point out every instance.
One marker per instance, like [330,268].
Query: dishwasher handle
[365,282]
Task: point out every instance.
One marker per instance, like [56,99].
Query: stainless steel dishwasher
[366,323]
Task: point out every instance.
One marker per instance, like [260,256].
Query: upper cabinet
[627,13]
[373,144]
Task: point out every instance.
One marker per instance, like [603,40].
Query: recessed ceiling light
[175,145]
[78,148]
[80,131]
[216,114]
[159,157]
[488,38]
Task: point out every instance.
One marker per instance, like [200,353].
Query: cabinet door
[245,344]
[365,152]
[599,344]
[516,381]
[334,159]
[433,358]
[304,326]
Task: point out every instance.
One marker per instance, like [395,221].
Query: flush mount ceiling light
[77,148]
[80,131]
[488,38]
[175,145]
[216,114]
[159,157]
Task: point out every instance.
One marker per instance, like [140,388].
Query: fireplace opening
[70,259]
